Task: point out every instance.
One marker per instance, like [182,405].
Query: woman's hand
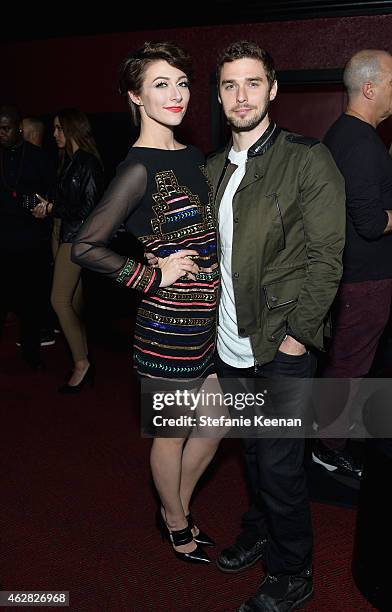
[152,260]
[177,265]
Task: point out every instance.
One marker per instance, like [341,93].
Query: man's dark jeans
[280,506]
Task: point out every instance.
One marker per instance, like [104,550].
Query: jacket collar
[261,145]
[265,141]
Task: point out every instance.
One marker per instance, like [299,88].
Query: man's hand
[42,209]
[291,346]
[177,265]
[39,212]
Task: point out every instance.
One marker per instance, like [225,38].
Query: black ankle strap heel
[201,537]
[179,538]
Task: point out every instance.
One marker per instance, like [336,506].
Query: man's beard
[248,124]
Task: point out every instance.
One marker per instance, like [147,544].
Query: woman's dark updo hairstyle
[133,67]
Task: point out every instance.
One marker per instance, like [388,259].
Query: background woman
[79,187]
[162,196]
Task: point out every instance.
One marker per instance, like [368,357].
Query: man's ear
[368,90]
[273,91]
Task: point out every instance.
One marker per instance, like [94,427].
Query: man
[280,209]
[33,130]
[25,171]
[364,298]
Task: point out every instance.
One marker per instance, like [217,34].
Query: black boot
[281,593]
[248,548]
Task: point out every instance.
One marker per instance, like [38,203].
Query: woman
[79,187]
[162,196]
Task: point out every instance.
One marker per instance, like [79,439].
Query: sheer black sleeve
[90,247]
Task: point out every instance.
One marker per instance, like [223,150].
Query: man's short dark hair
[244,49]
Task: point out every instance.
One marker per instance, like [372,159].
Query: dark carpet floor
[78,505]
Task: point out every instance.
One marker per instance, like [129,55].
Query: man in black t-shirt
[364,299]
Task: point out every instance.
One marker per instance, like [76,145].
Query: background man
[364,299]
[33,130]
[24,240]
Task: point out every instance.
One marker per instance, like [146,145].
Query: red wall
[309,111]
[42,76]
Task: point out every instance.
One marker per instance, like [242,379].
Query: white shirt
[232,349]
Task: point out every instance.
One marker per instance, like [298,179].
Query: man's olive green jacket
[288,238]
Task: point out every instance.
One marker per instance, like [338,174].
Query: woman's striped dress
[164,199]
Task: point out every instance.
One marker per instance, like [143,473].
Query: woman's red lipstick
[174,109]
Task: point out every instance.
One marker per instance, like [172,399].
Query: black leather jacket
[79,189]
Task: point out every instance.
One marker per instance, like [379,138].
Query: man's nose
[241,94]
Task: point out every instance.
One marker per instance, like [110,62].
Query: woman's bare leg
[165,460]
[198,453]
[201,446]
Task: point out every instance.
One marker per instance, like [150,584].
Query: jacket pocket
[282,293]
